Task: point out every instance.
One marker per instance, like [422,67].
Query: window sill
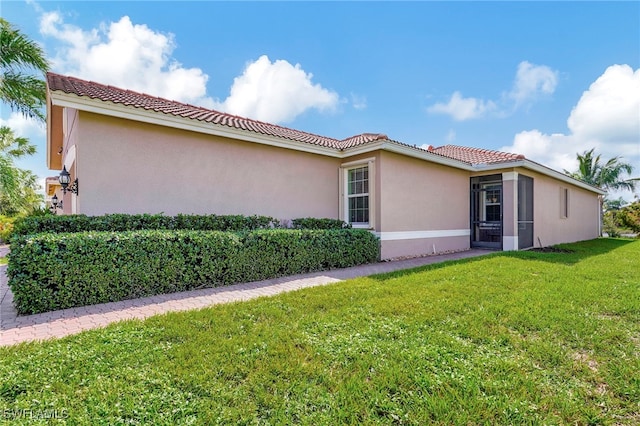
[361,226]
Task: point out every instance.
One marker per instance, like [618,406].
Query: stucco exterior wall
[131,167]
[417,199]
[549,224]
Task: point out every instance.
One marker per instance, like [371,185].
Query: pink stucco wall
[132,167]
[391,249]
[418,196]
[550,226]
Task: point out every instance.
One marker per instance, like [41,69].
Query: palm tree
[607,176]
[17,186]
[23,92]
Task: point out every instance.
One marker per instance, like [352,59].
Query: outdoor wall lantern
[65,180]
[55,204]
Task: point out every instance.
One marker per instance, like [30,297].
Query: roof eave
[398,148]
[57,100]
[97,106]
[537,167]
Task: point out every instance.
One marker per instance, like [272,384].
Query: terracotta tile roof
[475,155]
[129,98]
[362,139]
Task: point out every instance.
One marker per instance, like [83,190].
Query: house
[51,188]
[128,152]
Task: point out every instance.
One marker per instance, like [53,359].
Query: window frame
[345,168]
[486,203]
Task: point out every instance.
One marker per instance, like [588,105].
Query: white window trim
[344,191]
[485,204]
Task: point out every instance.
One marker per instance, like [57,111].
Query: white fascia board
[408,151]
[539,168]
[153,117]
[531,165]
[97,106]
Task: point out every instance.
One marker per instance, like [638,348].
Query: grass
[515,338]
[3,260]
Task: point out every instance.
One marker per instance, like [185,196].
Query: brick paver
[16,328]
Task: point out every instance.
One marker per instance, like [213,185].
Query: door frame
[485,233]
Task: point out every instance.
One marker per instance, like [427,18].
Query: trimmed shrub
[314,223]
[57,271]
[132,222]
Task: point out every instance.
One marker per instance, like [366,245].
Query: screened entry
[525,212]
[486,211]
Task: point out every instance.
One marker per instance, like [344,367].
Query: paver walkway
[15,329]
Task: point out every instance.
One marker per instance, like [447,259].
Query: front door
[486,212]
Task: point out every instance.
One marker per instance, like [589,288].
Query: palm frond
[17,52]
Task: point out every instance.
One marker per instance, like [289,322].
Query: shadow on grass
[571,254]
[574,252]
[433,266]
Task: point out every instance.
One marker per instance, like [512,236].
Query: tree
[607,176]
[629,216]
[614,205]
[19,55]
[17,186]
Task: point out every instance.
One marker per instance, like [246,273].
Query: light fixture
[65,180]
[55,204]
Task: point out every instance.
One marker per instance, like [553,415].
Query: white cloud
[610,109]
[463,108]
[531,81]
[358,102]
[606,117]
[125,55]
[557,150]
[276,92]
[23,127]
[135,57]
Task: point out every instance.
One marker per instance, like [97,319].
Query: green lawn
[517,338]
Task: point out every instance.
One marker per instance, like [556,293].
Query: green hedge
[58,271]
[315,223]
[133,222]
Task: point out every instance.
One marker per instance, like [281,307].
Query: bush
[610,224]
[132,222]
[57,271]
[629,216]
[314,223]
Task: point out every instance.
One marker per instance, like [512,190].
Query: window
[564,203]
[492,202]
[358,196]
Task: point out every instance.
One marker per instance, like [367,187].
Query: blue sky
[545,79]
